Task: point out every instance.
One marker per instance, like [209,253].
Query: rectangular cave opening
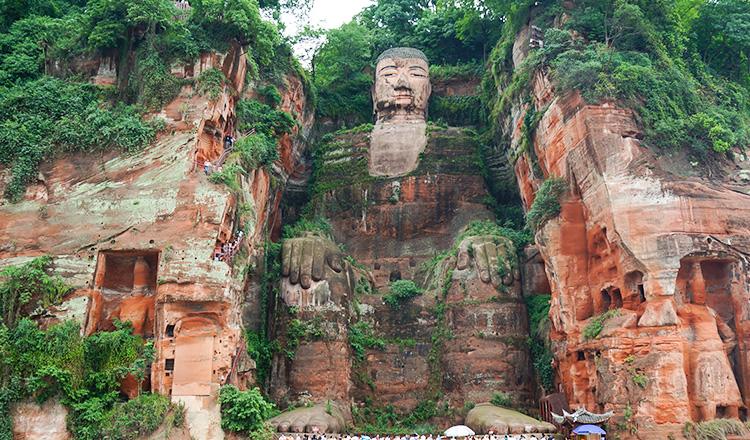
[124,271]
[126,281]
[169,365]
[634,292]
[581,355]
[169,331]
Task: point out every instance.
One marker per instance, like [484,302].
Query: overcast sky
[327,14]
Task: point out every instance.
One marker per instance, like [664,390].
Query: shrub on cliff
[547,202]
[596,325]
[361,337]
[537,306]
[400,291]
[211,83]
[244,411]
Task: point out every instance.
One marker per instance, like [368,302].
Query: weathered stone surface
[317,418]
[136,236]
[391,226]
[34,421]
[637,233]
[395,148]
[658,313]
[486,417]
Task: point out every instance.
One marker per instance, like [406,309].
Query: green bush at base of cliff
[84,372]
[501,400]
[139,416]
[385,419]
[244,411]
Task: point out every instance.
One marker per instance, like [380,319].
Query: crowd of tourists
[414,437]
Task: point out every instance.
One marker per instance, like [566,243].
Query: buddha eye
[419,75]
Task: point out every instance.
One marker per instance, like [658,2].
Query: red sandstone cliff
[642,231]
[136,234]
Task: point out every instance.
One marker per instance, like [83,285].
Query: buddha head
[402,85]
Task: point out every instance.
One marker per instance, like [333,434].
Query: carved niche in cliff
[705,292]
[124,289]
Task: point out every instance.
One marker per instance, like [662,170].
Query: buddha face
[402,89]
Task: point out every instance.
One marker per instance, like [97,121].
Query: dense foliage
[84,372]
[400,291]
[546,202]
[386,420]
[145,413]
[537,307]
[42,115]
[361,337]
[21,285]
[596,324]
[683,66]
[244,411]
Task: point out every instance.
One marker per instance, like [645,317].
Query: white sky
[327,14]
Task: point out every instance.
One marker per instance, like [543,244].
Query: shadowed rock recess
[393,291]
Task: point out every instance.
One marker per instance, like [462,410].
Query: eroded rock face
[391,226]
[316,418]
[34,421]
[667,249]
[486,417]
[137,235]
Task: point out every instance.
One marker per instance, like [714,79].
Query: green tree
[346,52]
[722,33]
[150,13]
[238,21]
[244,411]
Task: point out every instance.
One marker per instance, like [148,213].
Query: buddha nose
[403,81]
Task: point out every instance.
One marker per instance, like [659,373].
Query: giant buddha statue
[397,198]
